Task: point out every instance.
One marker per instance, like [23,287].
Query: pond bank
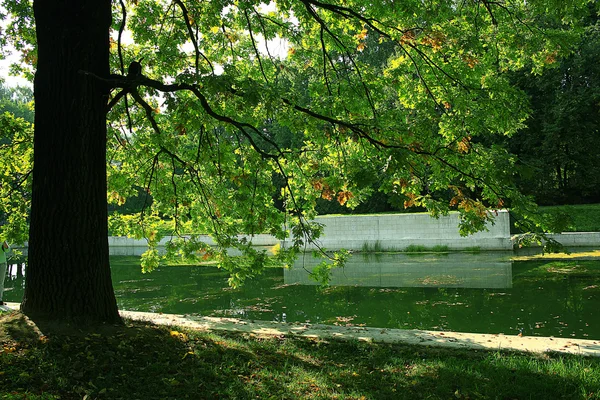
[459,340]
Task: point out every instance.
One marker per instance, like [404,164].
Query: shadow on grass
[154,362]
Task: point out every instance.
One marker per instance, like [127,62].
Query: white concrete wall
[123,241]
[577,239]
[398,231]
[124,246]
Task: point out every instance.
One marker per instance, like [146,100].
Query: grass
[473,249]
[141,360]
[417,248]
[583,217]
[369,247]
[439,249]
[376,247]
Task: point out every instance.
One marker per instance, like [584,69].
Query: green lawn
[145,361]
[584,217]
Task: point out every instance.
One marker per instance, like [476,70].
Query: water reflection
[458,292]
[451,270]
[14,282]
[15,271]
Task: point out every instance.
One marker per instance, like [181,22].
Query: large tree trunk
[68,275]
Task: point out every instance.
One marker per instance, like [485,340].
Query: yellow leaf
[407,37]
[464,145]
[551,58]
[178,335]
[344,196]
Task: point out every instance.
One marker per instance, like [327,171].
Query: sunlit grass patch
[559,256]
[561,268]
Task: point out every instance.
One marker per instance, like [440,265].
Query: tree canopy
[241,106]
[16,151]
[557,161]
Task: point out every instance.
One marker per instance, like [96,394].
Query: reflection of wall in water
[452,270]
[14,282]
[15,270]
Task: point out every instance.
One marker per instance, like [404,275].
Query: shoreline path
[475,341]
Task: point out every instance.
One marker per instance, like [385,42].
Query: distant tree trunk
[559,182]
[68,274]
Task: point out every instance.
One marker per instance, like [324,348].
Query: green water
[456,292]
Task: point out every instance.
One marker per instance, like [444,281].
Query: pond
[485,293]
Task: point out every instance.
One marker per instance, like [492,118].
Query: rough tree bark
[68,275]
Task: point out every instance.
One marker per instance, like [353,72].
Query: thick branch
[116,99]
[149,110]
[130,85]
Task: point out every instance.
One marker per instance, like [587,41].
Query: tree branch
[262,70]
[193,38]
[121,29]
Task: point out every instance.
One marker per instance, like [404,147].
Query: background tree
[193,129]
[16,151]
[17,101]
[557,165]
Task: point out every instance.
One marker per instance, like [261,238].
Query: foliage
[16,155]
[149,361]
[16,151]
[322,272]
[17,101]
[558,163]
[221,125]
